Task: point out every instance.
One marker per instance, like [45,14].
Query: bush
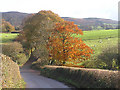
[10,77]
[40,57]
[15,51]
[95,64]
[108,59]
[39,63]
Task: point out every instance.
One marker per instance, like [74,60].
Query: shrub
[39,62]
[15,51]
[108,59]
[96,63]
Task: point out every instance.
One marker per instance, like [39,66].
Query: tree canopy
[36,31]
[63,47]
[7,27]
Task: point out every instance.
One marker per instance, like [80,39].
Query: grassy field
[98,34]
[99,41]
[7,37]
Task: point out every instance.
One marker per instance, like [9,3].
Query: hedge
[83,77]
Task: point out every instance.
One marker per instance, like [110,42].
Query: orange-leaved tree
[6,26]
[63,47]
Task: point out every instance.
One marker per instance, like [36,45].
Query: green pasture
[99,44]
[87,35]
[7,37]
[99,41]
[98,34]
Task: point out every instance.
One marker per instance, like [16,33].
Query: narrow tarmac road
[35,80]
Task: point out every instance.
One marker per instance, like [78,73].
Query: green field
[87,35]
[98,34]
[100,41]
[7,37]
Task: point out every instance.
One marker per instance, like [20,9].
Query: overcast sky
[65,8]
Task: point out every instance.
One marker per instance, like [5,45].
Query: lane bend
[35,80]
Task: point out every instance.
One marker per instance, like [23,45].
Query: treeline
[94,23]
[98,27]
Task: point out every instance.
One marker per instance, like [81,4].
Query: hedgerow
[83,77]
[15,52]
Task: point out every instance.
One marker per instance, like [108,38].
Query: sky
[65,8]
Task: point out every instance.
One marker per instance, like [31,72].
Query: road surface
[35,80]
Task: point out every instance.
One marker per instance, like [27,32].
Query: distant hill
[16,18]
[93,23]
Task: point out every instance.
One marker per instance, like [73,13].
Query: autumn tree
[36,31]
[7,27]
[62,47]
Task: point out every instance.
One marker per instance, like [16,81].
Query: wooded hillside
[16,19]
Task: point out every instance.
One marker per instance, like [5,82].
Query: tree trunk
[32,58]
